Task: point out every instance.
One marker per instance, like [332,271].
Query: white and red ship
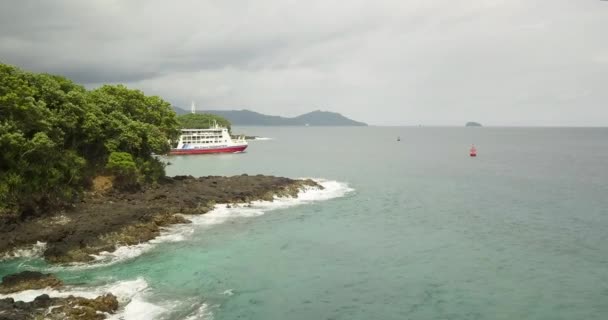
[213,140]
[216,139]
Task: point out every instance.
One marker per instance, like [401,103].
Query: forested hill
[56,137]
[202,121]
[252,118]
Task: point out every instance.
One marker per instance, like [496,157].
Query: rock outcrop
[105,220]
[45,307]
[70,308]
[28,280]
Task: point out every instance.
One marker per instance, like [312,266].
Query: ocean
[410,229]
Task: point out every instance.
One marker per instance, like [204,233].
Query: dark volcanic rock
[102,221]
[28,280]
[70,308]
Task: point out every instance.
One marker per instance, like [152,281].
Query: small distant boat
[398,138]
[473,151]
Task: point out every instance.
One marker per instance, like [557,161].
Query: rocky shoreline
[45,307]
[106,219]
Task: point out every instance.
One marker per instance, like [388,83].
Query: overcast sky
[405,62]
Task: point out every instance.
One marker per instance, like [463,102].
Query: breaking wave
[32,251]
[220,214]
[131,295]
[134,296]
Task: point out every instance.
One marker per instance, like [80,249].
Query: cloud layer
[436,62]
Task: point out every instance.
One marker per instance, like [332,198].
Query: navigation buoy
[473,152]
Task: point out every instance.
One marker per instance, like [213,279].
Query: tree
[202,121]
[122,165]
[55,136]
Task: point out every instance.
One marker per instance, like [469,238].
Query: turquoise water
[426,233]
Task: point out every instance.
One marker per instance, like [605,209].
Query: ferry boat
[213,140]
[216,139]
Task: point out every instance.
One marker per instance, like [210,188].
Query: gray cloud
[438,62]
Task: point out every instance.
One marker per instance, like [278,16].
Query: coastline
[106,220]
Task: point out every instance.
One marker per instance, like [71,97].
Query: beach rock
[70,308]
[82,308]
[42,301]
[28,280]
[105,220]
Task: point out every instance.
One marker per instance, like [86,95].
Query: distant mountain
[473,124]
[180,111]
[326,118]
[252,118]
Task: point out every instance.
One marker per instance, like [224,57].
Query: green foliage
[122,165]
[151,170]
[55,136]
[201,121]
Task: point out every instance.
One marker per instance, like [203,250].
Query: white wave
[139,309]
[220,214]
[124,252]
[129,293]
[173,233]
[263,138]
[123,290]
[228,292]
[32,251]
[332,189]
[128,252]
[202,313]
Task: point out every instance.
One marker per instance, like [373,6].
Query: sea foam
[202,313]
[132,294]
[32,251]
[220,214]
[123,290]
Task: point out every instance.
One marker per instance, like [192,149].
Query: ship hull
[231,149]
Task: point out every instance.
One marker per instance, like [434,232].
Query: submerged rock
[28,280]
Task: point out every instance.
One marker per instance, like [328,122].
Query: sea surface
[410,229]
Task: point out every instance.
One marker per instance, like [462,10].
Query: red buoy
[473,152]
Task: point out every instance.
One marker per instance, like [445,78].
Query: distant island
[252,118]
[473,124]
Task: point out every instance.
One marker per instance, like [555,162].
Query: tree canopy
[55,136]
[201,121]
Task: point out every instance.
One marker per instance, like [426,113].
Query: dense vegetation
[56,136]
[201,121]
